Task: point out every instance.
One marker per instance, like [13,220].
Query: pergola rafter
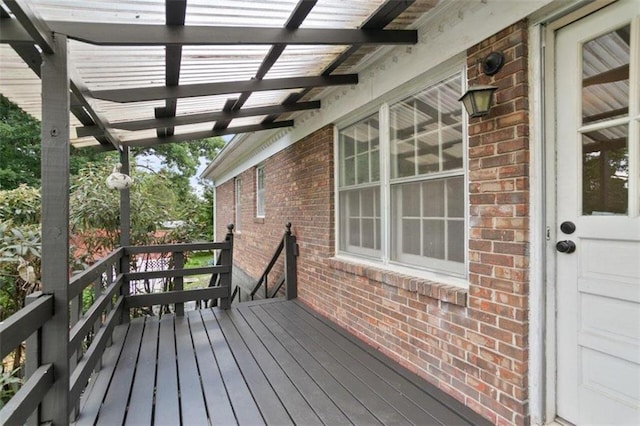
[93,105]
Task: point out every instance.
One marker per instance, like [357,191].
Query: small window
[260,201]
[238,195]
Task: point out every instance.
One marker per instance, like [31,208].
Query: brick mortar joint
[445,293]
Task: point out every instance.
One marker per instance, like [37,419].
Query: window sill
[258,220]
[444,292]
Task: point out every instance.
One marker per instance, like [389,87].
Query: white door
[597,73]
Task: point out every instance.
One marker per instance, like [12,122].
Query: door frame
[542,297]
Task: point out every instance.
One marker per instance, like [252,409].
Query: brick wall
[471,344]
[298,189]
[498,245]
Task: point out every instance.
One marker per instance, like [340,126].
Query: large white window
[260,200]
[417,198]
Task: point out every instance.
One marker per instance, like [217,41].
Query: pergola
[112,75]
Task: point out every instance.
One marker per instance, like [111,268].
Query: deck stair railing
[90,327]
[289,246]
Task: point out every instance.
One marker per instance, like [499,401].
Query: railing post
[290,263]
[124,289]
[227,260]
[178,282]
[33,357]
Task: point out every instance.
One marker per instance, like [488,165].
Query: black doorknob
[566,246]
[568,227]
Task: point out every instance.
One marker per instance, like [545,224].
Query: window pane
[362,168]
[368,233]
[455,197]
[368,202]
[411,236]
[410,195]
[349,171]
[452,148]
[428,153]
[358,163]
[360,221]
[605,76]
[375,166]
[426,131]
[455,240]
[433,238]
[354,232]
[432,234]
[605,171]
[403,163]
[354,203]
[433,198]
[347,143]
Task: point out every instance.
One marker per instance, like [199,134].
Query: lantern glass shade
[478,99]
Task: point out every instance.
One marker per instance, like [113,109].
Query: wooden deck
[272,362]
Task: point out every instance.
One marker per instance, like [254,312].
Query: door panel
[597,175]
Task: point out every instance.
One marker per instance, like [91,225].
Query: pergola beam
[80,105]
[182,120]
[105,34]
[385,14]
[297,17]
[175,13]
[207,89]
[33,24]
[147,142]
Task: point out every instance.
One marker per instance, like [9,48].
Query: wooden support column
[125,227]
[55,226]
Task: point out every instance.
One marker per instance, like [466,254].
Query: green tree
[20,151]
[19,147]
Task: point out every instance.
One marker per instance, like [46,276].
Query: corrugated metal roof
[102,67]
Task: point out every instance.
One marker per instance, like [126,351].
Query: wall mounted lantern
[478,99]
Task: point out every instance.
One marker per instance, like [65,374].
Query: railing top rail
[22,324]
[82,279]
[173,248]
[270,266]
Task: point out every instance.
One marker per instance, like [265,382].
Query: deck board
[272,363]
[324,409]
[114,406]
[237,385]
[217,400]
[142,394]
[191,393]
[167,408]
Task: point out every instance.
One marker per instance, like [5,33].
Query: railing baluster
[178,282]
[123,268]
[33,357]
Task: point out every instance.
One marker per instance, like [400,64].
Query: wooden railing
[91,327]
[289,276]
[26,324]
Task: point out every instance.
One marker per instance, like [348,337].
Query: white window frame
[260,192]
[454,273]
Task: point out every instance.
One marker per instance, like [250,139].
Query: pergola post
[125,225]
[55,226]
